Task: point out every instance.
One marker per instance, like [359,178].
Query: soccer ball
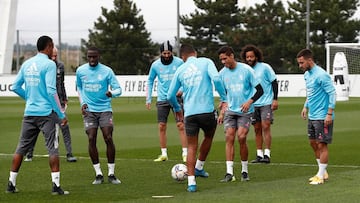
[179,172]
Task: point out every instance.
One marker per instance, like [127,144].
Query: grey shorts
[96,119]
[163,110]
[317,131]
[206,121]
[263,113]
[32,126]
[234,120]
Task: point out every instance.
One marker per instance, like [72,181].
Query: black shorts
[263,113]
[317,131]
[96,119]
[206,121]
[32,126]
[235,120]
[163,110]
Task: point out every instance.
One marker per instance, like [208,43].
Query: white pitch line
[216,162]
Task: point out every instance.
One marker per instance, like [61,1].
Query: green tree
[279,32]
[266,26]
[121,36]
[330,21]
[207,23]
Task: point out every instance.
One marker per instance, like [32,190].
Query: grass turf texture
[136,139]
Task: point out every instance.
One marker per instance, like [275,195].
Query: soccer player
[60,87]
[93,81]
[36,84]
[265,105]
[196,77]
[319,108]
[164,69]
[242,90]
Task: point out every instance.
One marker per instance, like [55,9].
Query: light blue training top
[265,75]
[196,77]
[36,84]
[240,84]
[92,84]
[320,93]
[165,74]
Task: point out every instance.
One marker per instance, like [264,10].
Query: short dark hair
[93,48]
[186,49]
[306,53]
[43,42]
[226,50]
[250,47]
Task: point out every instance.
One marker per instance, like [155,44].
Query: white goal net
[343,61]
[351,51]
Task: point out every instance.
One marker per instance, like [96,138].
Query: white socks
[12,177]
[184,151]
[55,177]
[230,167]
[267,152]
[244,165]
[199,164]
[191,180]
[111,169]
[163,151]
[97,169]
[259,153]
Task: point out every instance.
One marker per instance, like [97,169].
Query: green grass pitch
[136,139]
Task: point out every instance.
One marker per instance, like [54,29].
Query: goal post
[342,60]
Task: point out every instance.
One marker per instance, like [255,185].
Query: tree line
[278,30]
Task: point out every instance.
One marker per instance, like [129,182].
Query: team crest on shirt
[99,77]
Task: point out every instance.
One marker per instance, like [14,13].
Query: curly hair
[253,48]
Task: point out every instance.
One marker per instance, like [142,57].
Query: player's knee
[162,126]
[108,139]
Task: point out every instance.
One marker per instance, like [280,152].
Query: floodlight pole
[178,28]
[59,28]
[307,24]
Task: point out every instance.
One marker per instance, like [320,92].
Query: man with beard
[164,69]
[265,105]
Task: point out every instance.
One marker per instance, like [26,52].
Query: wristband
[330,114]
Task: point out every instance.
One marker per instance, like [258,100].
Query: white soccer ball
[179,172]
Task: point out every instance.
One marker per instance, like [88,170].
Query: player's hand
[148,106]
[246,106]
[108,94]
[304,113]
[179,93]
[63,121]
[274,105]
[179,116]
[84,109]
[220,119]
[328,120]
[223,107]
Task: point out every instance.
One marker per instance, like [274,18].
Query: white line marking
[216,162]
